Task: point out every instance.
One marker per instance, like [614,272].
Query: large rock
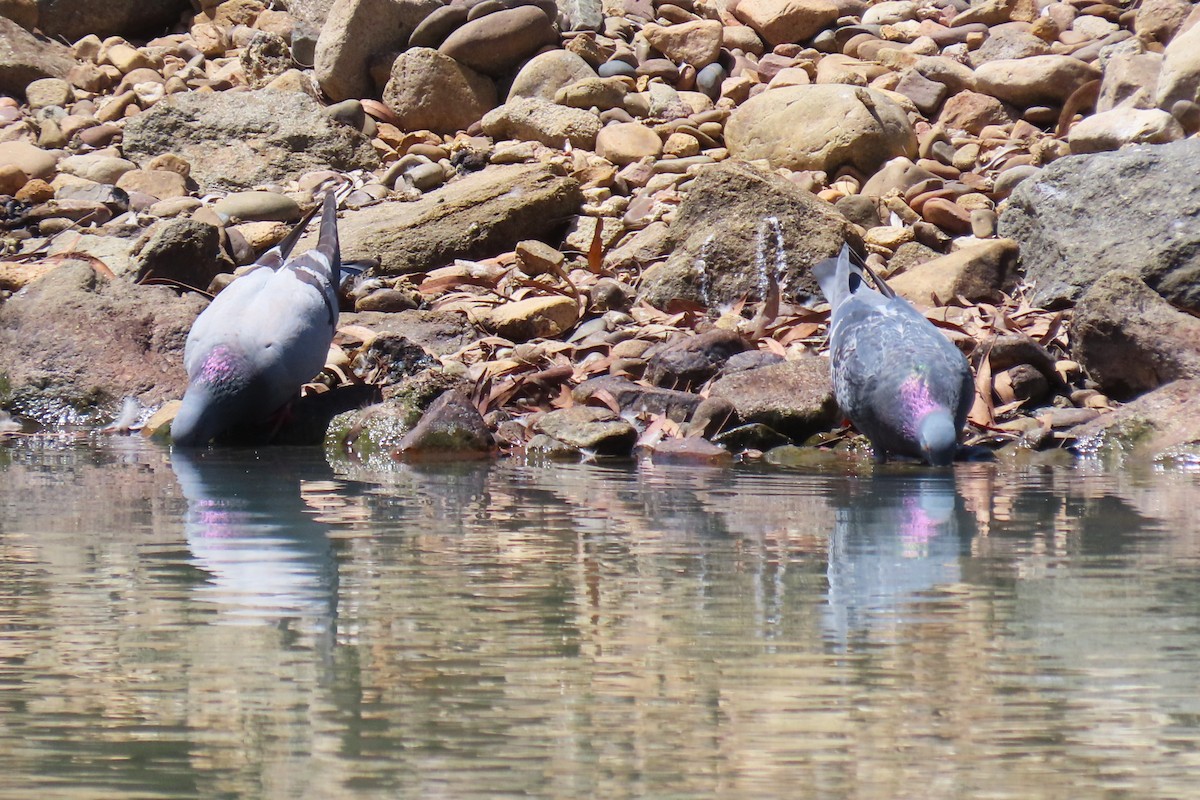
[531,118]
[1179,75]
[431,91]
[180,250]
[53,364]
[358,31]
[794,398]
[783,21]
[822,126]
[725,221]
[544,74]
[1034,80]
[980,273]
[1084,216]
[1160,425]
[496,43]
[25,58]
[235,140]
[1130,340]
[450,429]
[480,215]
[697,43]
[439,332]
[72,20]
[1117,127]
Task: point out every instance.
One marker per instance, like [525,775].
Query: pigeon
[262,338]
[899,380]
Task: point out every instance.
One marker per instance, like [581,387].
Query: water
[264,625]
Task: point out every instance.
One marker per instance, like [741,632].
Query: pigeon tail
[327,239]
[937,435]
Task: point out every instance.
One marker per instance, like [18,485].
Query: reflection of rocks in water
[247,527]
[897,536]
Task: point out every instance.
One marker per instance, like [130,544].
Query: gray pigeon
[898,379]
[261,338]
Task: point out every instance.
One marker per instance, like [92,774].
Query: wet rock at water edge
[451,428]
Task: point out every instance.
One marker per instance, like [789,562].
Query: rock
[691,450]
[1156,426]
[1137,193]
[161,184]
[531,318]
[601,93]
[636,398]
[1130,340]
[538,120]
[476,216]
[129,18]
[25,58]
[266,206]
[440,23]
[451,428]
[543,75]
[988,12]
[496,43]
[973,111]
[96,167]
[12,179]
[688,361]
[52,368]
[236,140]
[626,142]
[85,212]
[33,161]
[181,250]
[794,398]
[1130,79]
[580,15]
[1158,20]
[979,274]
[724,221]
[591,429]
[1007,42]
[927,95]
[439,332]
[431,91]
[1179,76]
[697,43]
[49,92]
[357,31]
[782,21]
[954,75]
[1048,79]
[822,126]
[1113,129]
[389,359]
[264,58]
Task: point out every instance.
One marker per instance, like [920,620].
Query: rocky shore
[589,225]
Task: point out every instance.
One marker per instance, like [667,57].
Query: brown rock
[973,111]
[598,430]
[12,179]
[432,91]
[626,142]
[158,183]
[1150,427]
[354,33]
[1036,80]
[979,274]
[531,118]
[24,58]
[531,318]
[1130,340]
[697,43]
[947,215]
[688,361]
[794,398]
[782,21]
[496,43]
[691,450]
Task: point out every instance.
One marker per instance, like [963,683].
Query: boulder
[794,398]
[543,75]
[722,244]
[439,332]
[358,31]
[52,367]
[979,273]
[129,18]
[1117,127]
[1179,75]
[235,140]
[1138,194]
[1037,80]
[821,126]
[588,428]
[784,21]
[697,43]
[25,58]
[451,428]
[1130,340]
[534,119]
[1161,426]
[686,362]
[497,43]
[180,250]
[431,91]
[477,216]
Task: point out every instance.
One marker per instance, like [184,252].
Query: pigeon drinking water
[898,379]
[261,338]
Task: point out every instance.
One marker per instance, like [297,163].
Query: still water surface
[265,625]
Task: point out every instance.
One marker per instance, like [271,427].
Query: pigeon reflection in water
[247,526]
[896,538]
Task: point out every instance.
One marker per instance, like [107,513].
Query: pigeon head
[938,437]
[932,422]
[213,400]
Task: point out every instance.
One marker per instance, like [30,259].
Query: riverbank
[593,224]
